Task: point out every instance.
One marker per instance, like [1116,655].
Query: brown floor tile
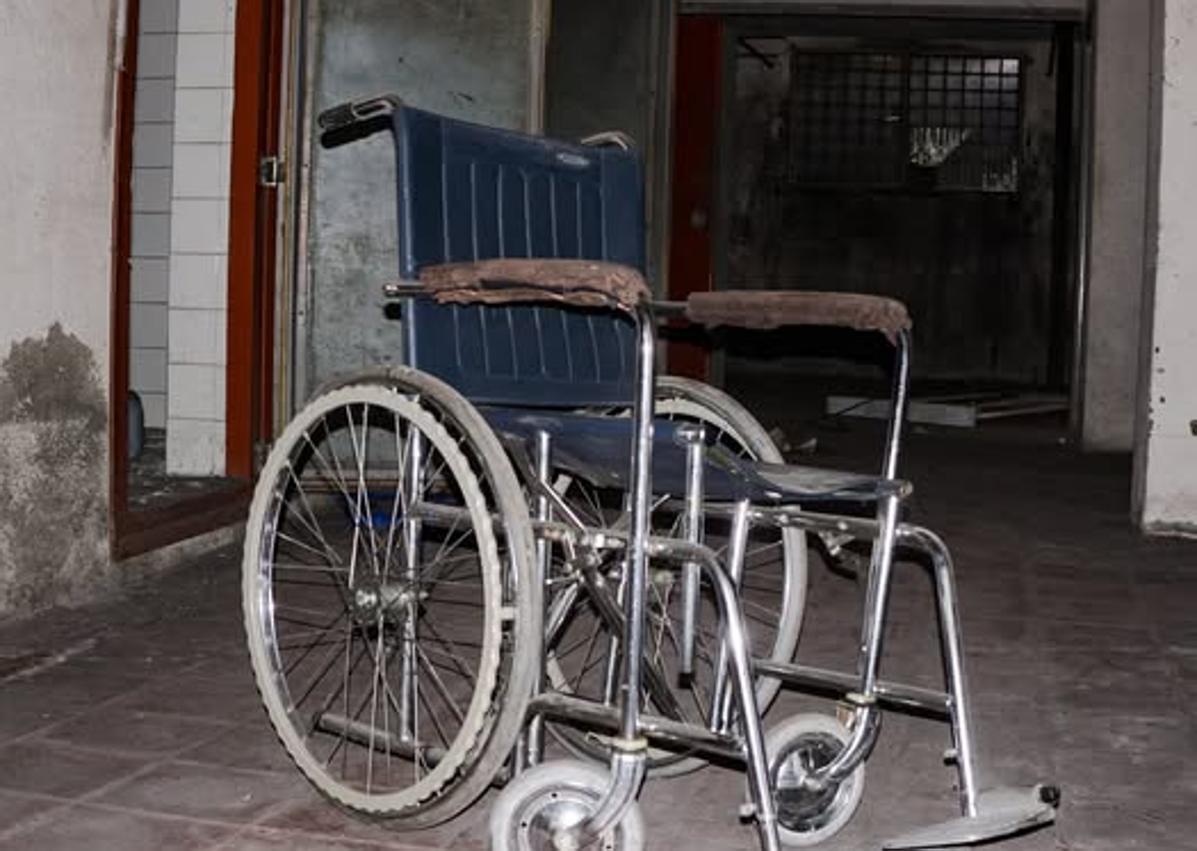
[316,816]
[32,703]
[59,770]
[15,808]
[252,745]
[132,732]
[267,840]
[313,815]
[205,792]
[232,698]
[1080,639]
[83,828]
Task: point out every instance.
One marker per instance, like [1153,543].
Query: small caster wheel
[799,744]
[549,797]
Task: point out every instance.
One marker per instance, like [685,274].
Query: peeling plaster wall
[56,61]
[1167,458]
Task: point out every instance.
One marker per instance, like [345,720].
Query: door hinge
[270,172]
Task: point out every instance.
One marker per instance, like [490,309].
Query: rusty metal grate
[888,120]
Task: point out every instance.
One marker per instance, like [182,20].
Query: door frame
[258,58]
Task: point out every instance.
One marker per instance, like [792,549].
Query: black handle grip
[348,122]
[337,117]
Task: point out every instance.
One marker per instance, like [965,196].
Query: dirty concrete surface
[135,725]
[53,469]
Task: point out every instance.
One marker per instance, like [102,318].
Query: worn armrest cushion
[581,283]
[765,309]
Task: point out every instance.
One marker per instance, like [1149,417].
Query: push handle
[347,122]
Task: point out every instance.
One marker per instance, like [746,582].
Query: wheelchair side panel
[473,193]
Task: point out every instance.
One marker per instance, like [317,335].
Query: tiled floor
[135,725]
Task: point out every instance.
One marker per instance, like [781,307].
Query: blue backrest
[468,192]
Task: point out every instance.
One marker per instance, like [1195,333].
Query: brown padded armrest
[775,308]
[581,283]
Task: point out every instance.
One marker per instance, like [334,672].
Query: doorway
[191,320]
[935,160]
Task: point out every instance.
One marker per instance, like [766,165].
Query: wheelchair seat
[584,444]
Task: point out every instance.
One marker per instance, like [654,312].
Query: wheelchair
[526,539]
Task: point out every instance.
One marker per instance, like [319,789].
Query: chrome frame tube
[660,731]
[737,543]
[627,774]
[412,541]
[533,751]
[897,418]
[743,687]
[628,750]
[637,556]
[866,723]
[896,696]
[952,645]
[694,438]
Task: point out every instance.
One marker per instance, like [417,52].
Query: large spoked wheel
[389,607]
[773,592]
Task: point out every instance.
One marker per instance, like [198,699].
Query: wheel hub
[370,598]
[799,806]
[546,824]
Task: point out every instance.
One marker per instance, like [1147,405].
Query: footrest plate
[1000,812]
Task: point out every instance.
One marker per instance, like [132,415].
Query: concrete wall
[1120,155]
[55,236]
[466,59]
[1166,458]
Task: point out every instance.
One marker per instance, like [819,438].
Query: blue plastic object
[468,192]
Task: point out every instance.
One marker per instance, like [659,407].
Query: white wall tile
[205,16]
[154,407]
[149,279]
[199,281]
[194,447]
[153,145]
[201,170]
[201,61]
[203,115]
[151,190]
[197,336]
[156,55]
[151,235]
[158,16]
[147,370]
[147,325]
[154,101]
[199,392]
[199,225]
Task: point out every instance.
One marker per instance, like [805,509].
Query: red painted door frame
[253,216]
[258,63]
[698,77]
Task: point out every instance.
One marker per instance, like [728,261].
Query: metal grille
[886,120]
[845,118]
